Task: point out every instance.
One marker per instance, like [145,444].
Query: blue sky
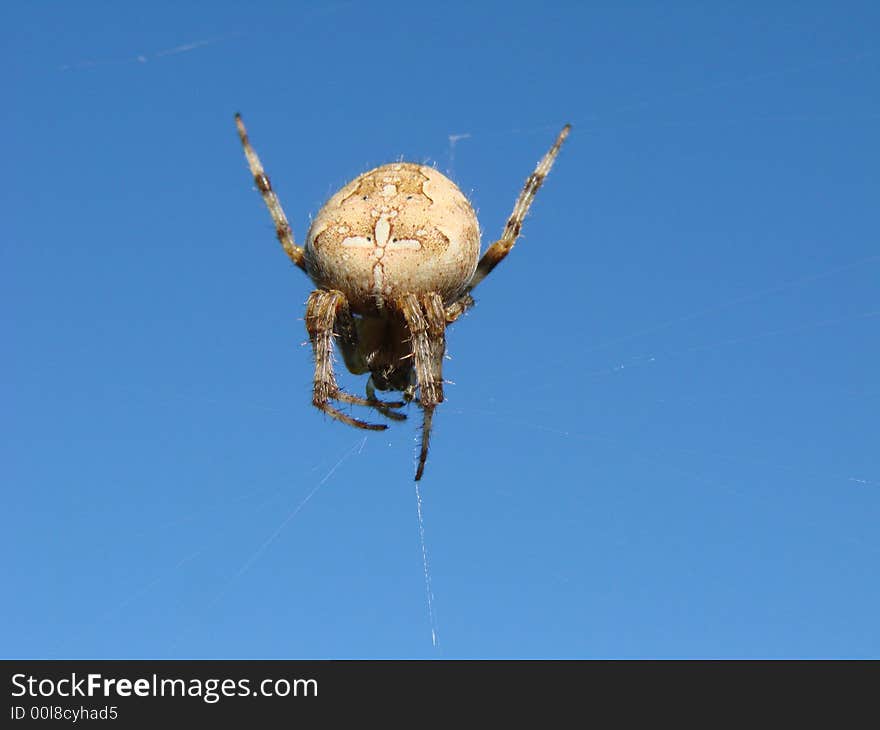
[662,437]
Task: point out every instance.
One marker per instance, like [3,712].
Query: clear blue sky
[662,439]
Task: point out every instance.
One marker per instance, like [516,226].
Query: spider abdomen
[397,229]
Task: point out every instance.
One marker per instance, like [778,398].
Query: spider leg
[321,314]
[458,308]
[498,250]
[282,227]
[426,320]
[384,407]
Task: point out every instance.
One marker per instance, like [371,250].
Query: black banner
[138,693]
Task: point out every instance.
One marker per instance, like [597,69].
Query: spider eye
[366,197]
[409,197]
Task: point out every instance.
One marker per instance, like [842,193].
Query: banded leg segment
[498,250]
[282,227]
[458,308]
[322,311]
[426,320]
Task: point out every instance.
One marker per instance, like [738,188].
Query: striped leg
[282,227]
[426,320]
[459,307]
[322,310]
[498,250]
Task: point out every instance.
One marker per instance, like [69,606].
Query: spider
[395,255]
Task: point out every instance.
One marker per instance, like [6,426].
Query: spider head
[400,379]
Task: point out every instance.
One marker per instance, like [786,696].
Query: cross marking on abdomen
[380,243]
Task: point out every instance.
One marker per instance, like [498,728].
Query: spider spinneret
[395,255]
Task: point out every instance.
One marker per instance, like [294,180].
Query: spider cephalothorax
[395,255]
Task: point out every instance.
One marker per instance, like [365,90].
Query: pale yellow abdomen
[400,228]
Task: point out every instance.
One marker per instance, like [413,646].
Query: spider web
[534,419]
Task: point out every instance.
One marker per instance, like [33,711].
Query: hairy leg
[498,250]
[426,320]
[282,227]
[322,311]
[458,308]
